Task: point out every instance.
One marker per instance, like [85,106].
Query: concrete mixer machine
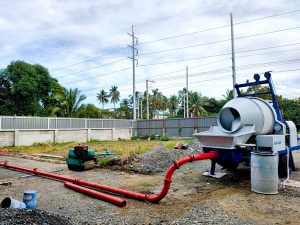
[249,125]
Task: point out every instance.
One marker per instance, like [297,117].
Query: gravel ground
[192,199]
[208,213]
[159,159]
[36,216]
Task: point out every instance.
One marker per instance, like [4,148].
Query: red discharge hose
[130,194]
[96,194]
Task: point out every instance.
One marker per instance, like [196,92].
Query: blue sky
[57,34]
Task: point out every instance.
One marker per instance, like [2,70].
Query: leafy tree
[173,104]
[114,95]
[70,101]
[291,110]
[51,104]
[196,104]
[228,95]
[158,100]
[89,111]
[23,87]
[125,111]
[102,97]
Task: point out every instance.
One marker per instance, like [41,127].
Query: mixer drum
[246,111]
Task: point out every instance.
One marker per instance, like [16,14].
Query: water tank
[246,111]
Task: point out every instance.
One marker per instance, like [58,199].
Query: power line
[216,28]
[242,67]
[92,68]
[222,54]
[170,17]
[88,60]
[218,78]
[227,76]
[205,73]
[219,41]
[102,75]
[175,71]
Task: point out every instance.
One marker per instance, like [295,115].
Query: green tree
[70,101]
[114,95]
[196,104]
[51,104]
[102,97]
[291,110]
[89,111]
[173,104]
[22,88]
[125,111]
[228,95]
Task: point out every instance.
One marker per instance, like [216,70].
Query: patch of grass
[165,138]
[103,161]
[55,149]
[147,184]
[120,147]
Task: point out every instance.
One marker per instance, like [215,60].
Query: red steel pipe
[105,197]
[96,194]
[130,194]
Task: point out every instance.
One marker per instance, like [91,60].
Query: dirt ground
[192,199]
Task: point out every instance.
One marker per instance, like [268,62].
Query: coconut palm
[173,103]
[70,101]
[102,97]
[228,95]
[114,95]
[196,103]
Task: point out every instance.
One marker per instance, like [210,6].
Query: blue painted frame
[257,82]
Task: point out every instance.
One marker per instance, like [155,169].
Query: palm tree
[70,101]
[125,108]
[228,95]
[196,103]
[173,103]
[102,97]
[114,95]
[182,98]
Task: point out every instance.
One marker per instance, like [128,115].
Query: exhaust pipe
[130,194]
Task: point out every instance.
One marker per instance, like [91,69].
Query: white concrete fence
[31,137]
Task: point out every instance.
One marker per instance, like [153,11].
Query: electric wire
[220,41]
[170,17]
[217,55]
[102,75]
[88,60]
[92,68]
[219,27]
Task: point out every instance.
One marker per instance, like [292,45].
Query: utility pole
[184,104]
[134,61]
[187,92]
[138,108]
[147,93]
[233,57]
[141,117]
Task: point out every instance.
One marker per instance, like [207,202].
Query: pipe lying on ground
[130,194]
[96,194]
[167,184]
[69,181]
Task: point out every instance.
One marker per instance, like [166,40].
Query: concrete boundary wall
[30,137]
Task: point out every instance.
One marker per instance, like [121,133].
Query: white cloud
[59,33]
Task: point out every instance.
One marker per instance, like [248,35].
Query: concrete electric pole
[187,92]
[233,57]
[147,93]
[134,61]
